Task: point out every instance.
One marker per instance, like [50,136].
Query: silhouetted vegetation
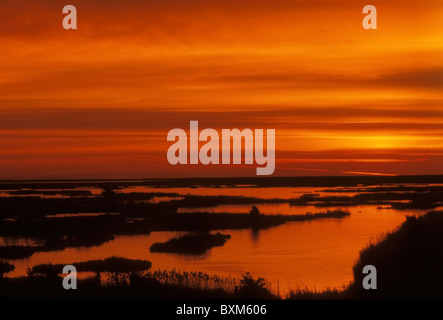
[251,288]
[55,242]
[148,284]
[195,280]
[409,261]
[5,267]
[306,294]
[409,264]
[71,193]
[388,188]
[337,213]
[255,212]
[409,200]
[113,264]
[61,233]
[191,243]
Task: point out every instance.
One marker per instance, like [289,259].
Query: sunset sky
[98,102]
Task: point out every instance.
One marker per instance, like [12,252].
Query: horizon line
[230,177]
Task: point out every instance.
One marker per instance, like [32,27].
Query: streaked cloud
[342,99]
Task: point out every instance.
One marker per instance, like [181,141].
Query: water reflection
[314,254]
[265,208]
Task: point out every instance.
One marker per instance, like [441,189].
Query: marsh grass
[112,264]
[195,280]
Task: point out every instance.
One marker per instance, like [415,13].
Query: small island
[191,244]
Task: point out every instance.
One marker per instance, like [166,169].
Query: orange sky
[98,102]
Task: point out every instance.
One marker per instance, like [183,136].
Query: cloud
[308,119]
[340,98]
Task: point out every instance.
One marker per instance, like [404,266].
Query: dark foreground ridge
[409,262]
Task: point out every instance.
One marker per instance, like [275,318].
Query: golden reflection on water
[313,254]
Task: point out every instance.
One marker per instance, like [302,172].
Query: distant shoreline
[296,181]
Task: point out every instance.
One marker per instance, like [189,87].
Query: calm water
[314,254]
